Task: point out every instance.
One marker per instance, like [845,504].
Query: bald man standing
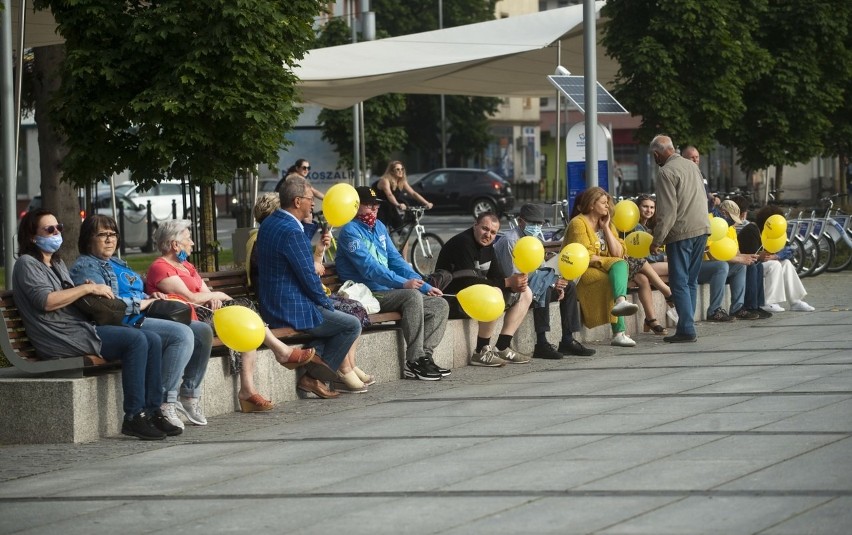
[682,226]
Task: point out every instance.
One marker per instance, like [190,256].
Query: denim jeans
[194,372]
[177,349]
[737,282]
[684,264]
[754,294]
[334,336]
[140,353]
[714,272]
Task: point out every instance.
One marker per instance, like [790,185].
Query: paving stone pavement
[746,431]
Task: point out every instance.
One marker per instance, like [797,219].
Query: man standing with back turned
[683,226]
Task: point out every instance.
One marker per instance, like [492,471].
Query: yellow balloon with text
[528,254]
[626,215]
[638,244]
[239,328]
[573,261]
[724,249]
[482,302]
[773,245]
[718,228]
[775,227]
[340,204]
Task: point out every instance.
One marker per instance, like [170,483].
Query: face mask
[533,230]
[49,244]
[368,219]
[182,256]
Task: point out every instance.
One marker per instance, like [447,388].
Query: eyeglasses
[53,229]
[311,199]
[306,167]
[104,236]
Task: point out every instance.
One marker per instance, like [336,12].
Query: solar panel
[572,87]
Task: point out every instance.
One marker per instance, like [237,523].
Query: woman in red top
[173,274]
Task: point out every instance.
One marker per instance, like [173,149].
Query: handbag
[170,309]
[361,293]
[102,310]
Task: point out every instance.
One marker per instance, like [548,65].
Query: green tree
[178,88]
[795,102]
[383,131]
[684,64]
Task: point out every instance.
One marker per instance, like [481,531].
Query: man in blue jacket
[366,254]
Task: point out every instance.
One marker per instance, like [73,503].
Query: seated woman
[350,378]
[186,349]
[394,189]
[780,281]
[650,270]
[608,272]
[173,274]
[45,296]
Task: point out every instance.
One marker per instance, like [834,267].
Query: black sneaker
[575,348]
[546,351]
[720,315]
[443,371]
[420,369]
[762,314]
[140,426]
[161,423]
[743,314]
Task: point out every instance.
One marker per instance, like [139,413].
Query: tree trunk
[57,196]
[207,238]
[779,180]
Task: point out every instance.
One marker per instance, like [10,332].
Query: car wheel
[480,206]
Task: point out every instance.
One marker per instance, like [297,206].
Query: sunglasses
[398,169]
[306,167]
[53,229]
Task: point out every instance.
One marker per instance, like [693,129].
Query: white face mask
[534,231]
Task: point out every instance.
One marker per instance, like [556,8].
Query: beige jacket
[681,202]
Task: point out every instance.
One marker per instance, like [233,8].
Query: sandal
[652,325]
[299,357]
[255,403]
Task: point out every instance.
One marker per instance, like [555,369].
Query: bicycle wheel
[424,253]
[798,258]
[810,256]
[842,252]
[826,254]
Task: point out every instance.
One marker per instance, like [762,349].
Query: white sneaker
[622,340]
[671,312]
[624,308]
[774,307]
[190,408]
[170,415]
[801,306]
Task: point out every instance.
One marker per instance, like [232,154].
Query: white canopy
[508,57]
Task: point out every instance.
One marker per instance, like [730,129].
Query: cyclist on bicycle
[393,188]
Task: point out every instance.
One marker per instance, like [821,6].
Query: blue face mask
[182,256]
[49,244]
[533,230]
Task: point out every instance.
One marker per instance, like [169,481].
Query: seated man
[366,254]
[469,256]
[292,294]
[529,224]
[755,297]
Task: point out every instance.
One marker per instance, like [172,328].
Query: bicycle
[423,252]
[839,230]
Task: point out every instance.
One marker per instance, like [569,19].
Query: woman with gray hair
[173,273]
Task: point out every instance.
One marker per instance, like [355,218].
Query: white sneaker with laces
[801,306]
[170,415]
[191,408]
[774,307]
[624,308]
[622,340]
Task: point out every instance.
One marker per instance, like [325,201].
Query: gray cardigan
[681,202]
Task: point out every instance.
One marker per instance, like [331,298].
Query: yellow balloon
[638,244]
[626,215]
[573,261]
[528,254]
[723,249]
[239,328]
[775,227]
[482,302]
[718,228]
[773,245]
[340,204]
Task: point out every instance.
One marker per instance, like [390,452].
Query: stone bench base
[57,410]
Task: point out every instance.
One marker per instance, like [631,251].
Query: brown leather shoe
[315,386]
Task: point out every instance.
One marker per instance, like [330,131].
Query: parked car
[472,191]
[135,232]
[161,197]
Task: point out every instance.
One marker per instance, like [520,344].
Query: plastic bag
[361,293]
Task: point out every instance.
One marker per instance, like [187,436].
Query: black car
[472,191]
